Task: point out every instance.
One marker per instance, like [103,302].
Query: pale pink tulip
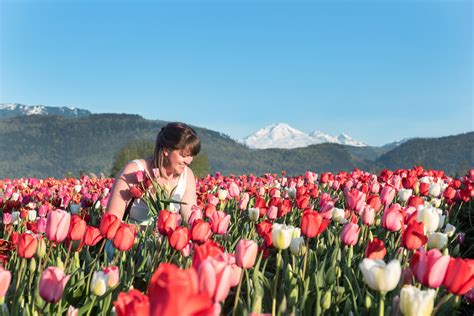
[57,226]
[5,279]
[220,222]
[52,284]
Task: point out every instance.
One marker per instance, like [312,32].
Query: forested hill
[45,146]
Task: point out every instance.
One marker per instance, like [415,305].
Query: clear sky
[379,71]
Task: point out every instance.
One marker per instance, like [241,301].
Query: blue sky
[379,71]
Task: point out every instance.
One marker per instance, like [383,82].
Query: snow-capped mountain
[282,135]
[15,109]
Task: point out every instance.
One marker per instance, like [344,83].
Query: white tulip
[430,218]
[404,194]
[338,215]
[281,235]
[435,189]
[380,276]
[31,215]
[297,246]
[450,230]
[415,302]
[254,213]
[99,283]
[291,192]
[437,240]
[222,194]
[77,188]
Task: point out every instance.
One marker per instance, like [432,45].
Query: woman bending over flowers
[175,147]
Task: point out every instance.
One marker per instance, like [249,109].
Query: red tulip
[26,246]
[92,236]
[375,203]
[77,228]
[179,238]
[375,249]
[125,237]
[167,222]
[132,303]
[415,201]
[414,236]
[109,225]
[302,202]
[57,226]
[313,223]
[246,253]
[459,277]
[201,231]
[136,192]
[52,284]
[173,291]
[208,249]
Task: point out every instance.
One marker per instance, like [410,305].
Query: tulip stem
[382,305]
[275,282]
[305,259]
[238,292]
[92,305]
[67,257]
[20,273]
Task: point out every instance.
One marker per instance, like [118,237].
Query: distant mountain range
[282,135]
[16,109]
[56,145]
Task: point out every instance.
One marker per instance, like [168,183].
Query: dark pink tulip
[52,284]
[57,226]
[355,200]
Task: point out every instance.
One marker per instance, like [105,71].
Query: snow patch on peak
[282,135]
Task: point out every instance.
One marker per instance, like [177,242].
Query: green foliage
[200,165]
[132,150]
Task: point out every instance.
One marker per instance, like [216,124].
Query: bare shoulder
[129,169]
[190,178]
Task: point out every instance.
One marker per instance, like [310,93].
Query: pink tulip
[392,218]
[57,226]
[196,213]
[215,278]
[272,212]
[113,276]
[52,284]
[244,201]
[355,200]
[5,279]
[234,189]
[368,215]
[246,253]
[41,224]
[220,222]
[350,234]
[429,267]
[387,195]
[7,218]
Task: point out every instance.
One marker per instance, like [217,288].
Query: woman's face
[178,160]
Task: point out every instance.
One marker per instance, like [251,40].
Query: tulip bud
[60,263]
[41,249]
[326,302]
[330,277]
[368,302]
[32,265]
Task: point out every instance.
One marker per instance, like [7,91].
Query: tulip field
[400,242]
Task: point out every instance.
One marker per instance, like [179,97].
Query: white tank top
[139,213]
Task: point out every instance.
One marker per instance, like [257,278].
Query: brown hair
[175,136]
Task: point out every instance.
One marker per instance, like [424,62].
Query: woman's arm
[189,196]
[120,194]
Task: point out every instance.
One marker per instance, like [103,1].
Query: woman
[175,147]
